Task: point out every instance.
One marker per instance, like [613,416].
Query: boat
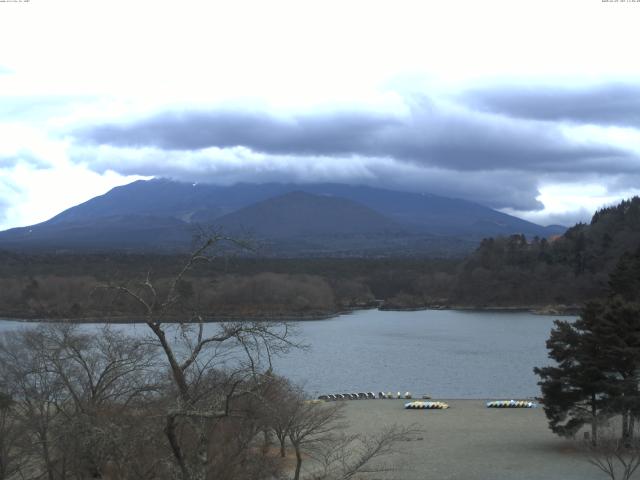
[418,405]
[511,404]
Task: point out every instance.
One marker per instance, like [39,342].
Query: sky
[529,107]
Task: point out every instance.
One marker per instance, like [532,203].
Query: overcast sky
[530,107]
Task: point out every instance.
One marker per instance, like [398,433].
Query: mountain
[301,214]
[205,203]
[112,232]
[327,218]
[435,214]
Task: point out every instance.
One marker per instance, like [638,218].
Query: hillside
[569,270]
[301,214]
[110,232]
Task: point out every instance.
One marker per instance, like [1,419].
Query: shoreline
[561,310]
[547,310]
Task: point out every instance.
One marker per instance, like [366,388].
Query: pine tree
[625,279]
[574,390]
[597,371]
[616,329]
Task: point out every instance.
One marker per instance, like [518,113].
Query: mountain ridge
[171,209]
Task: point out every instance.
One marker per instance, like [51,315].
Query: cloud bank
[617,104]
[456,140]
[493,157]
[272,97]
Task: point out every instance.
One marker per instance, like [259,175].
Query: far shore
[561,310]
[557,310]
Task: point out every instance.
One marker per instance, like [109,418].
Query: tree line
[569,269]
[512,271]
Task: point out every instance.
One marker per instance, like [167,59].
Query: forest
[555,275]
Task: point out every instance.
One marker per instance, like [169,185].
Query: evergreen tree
[625,279]
[574,390]
[597,369]
[615,328]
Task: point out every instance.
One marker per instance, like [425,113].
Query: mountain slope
[114,232]
[204,203]
[161,214]
[435,214]
[299,214]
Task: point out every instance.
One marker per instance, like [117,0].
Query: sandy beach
[471,442]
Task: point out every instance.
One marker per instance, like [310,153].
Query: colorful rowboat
[426,405]
[511,404]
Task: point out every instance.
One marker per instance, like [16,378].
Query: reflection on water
[445,353]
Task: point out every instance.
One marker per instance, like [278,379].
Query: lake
[444,353]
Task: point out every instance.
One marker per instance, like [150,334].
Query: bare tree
[616,457]
[100,368]
[310,424]
[12,458]
[317,430]
[103,375]
[345,456]
[190,351]
[36,392]
[74,394]
[281,402]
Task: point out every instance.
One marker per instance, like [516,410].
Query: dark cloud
[603,105]
[496,188]
[322,134]
[443,149]
[451,139]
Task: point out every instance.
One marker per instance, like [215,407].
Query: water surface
[445,353]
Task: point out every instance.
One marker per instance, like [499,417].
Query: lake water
[445,353]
